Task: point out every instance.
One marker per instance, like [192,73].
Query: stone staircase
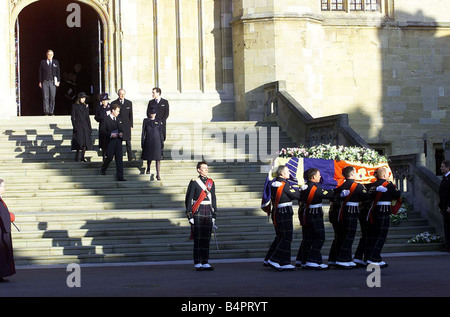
[68,213]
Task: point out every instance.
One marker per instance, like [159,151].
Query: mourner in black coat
[444,201]
[111,129]
[82,129]
[7,266]
[126,115]
[152,142]
[101,112]
[162,108]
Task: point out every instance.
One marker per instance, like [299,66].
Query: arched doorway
[43,25]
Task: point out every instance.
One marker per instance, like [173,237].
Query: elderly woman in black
[7,266]
[152,142]
[82,130]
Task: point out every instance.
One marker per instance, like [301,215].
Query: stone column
[8,106]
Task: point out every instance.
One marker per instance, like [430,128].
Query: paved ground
[177,283]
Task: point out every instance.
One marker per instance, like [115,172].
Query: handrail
[418,185]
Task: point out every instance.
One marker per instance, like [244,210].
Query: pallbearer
[201,210]
[344,217]
[309,255]
[383,193]
[279,255]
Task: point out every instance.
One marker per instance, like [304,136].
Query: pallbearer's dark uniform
[203,216]
[360,253]
[345,220]
[379,219]
[7,266]
[313,229]
[280,249]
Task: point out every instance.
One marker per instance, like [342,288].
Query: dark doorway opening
[43,25]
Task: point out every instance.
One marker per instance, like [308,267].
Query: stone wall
[184,47]
[389,70]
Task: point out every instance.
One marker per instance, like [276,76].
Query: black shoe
[83,160]
[147,171]
[2,280]
[158,178]
[122,180]
[102,173]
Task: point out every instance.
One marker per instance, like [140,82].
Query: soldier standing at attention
[201,210]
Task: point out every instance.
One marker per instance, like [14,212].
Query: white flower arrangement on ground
[335,152]
[425,237]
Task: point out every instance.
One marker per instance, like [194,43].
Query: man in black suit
[444,201]
[126,116]
[49,79]
[162,108]
[111,130]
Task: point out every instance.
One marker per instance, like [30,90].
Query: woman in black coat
[152,142]
[7,266]
[102,110]
[82,130]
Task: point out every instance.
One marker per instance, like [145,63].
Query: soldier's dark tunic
[7,266]
[202,227]
[280,250]
[345,227]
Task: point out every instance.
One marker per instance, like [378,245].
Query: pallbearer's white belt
[285,204]
[351,203]
[383,203]
[204,203]
[315,206]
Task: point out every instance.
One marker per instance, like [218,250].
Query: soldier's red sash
[308,202]
[203,195]
[341,210]
[377,198]
[277,201]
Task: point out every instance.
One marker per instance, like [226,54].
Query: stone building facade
[386,63]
